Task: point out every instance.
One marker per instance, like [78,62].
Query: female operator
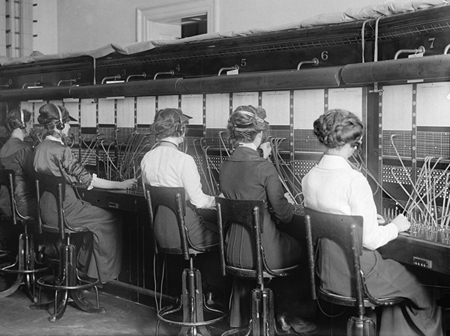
[17,154]
[166,166]
[247,176]
[333,186]
[53,157]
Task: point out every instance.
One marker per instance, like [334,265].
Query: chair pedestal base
[263,316]
[24,267]
[192,306]
[68,288]
[361,326]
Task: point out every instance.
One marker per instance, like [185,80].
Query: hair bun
[337,127]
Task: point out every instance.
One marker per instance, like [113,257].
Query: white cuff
[91,185]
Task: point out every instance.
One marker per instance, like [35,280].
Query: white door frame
[173,13]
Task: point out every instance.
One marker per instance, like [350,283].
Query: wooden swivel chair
[25,265]
[67,284]
[346,231]
[191,303]
[250,213]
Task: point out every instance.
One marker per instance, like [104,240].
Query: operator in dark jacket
[248,176]
[17,154]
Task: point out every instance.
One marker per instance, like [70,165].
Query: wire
[288,179]
[200,166]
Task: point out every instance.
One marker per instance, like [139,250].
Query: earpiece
[59,124]
[357,144]
[22,120]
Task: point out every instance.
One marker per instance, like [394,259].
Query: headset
[357,144]
[23,125]
[60,123]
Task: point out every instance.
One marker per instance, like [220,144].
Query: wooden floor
[122,317]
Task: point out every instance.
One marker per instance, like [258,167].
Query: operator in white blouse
[165,165]
[333,186]
[349,194]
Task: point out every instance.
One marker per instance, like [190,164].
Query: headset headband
[22,118]
[60,114]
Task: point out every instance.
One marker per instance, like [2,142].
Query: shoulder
[50,147]
[356,175]
[21,144]
[265,166]
[358,181]
[186,159]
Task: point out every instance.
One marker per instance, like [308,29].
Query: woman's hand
[289,198]
[266,149]
[401,222]
[128,184]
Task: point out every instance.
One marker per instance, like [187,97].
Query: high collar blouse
[333,186]
[168,167]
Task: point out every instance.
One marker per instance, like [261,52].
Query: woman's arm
[193,186]
[361,203]
[107,184]
[76,170]
[282,209]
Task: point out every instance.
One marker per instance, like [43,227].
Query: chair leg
[192,302]
[25,266]
[67,289]
[19,263]
[31,268]
[192,306]
[361,326]
[263,315]
[60,305]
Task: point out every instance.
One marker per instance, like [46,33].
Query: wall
[246,14]
[46,16]
[87,25]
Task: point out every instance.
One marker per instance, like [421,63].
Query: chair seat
[66,283]
[195,313]
[26,263]
[351,301]
[252,273]
[55,229]
[24,220]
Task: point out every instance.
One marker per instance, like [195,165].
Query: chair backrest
[344,230]
[249,213]
[57,187]
[7,180]
[175,200]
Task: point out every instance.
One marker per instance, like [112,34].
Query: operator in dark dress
[17,154]
[53,157]
[248,176]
